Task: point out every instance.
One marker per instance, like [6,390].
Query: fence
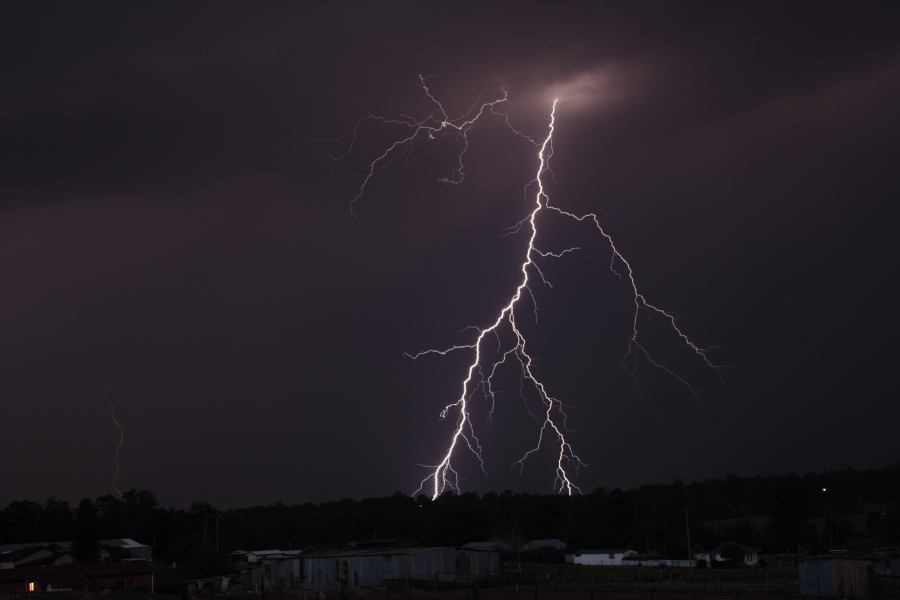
[521,591]
[768,579]
[510,587]
[88,595]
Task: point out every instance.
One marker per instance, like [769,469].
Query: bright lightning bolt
[480,372]
[115,420]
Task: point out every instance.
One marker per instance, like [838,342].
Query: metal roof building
[858,576]
[353,569]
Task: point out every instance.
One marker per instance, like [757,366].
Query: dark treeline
[779,514]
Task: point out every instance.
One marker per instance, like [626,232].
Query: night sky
[169,225]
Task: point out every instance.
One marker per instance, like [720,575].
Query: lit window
[30,586]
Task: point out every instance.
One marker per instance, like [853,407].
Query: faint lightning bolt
[115,420]
[481,371]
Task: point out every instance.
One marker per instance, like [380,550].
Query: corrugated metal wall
[433,563]
[320,573]
[420,564]
[853,578]
[818,578]
[836,578]
[282,573]
[478,565]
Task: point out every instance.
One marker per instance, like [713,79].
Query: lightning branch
[505,330]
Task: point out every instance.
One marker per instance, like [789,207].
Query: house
[714,556]
[126,549]
[34,556]
[601,557]
[110,550]
[50,566]
[132,575]
[655,560]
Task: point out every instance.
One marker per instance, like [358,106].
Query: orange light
[30,586]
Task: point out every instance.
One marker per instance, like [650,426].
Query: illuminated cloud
[603,87]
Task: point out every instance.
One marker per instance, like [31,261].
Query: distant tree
[86,545]
[885,525]
[745,531]
[55,521]
[111,512]
[22,521]
[205,514]
[733,553]
[140,511]
[891,524]
[774,512]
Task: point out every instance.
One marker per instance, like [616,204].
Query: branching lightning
[511,342]
[115,420]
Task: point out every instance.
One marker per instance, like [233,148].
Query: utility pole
[687,526]
[218,518]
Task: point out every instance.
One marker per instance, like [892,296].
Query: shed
[861,575]
[830,577]
[373,567]
[601,556]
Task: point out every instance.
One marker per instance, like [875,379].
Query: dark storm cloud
[167,223]
[94,97]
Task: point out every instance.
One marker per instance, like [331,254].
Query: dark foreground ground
[521,592]
[528,582]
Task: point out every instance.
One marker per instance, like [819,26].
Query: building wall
[599,559]
[319,574]
[282,573]
[434,563]
[322,572]
[835,578]
[660,562]
[853,578]
[374,569]
[477,565]
[817,578]
[750,558]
